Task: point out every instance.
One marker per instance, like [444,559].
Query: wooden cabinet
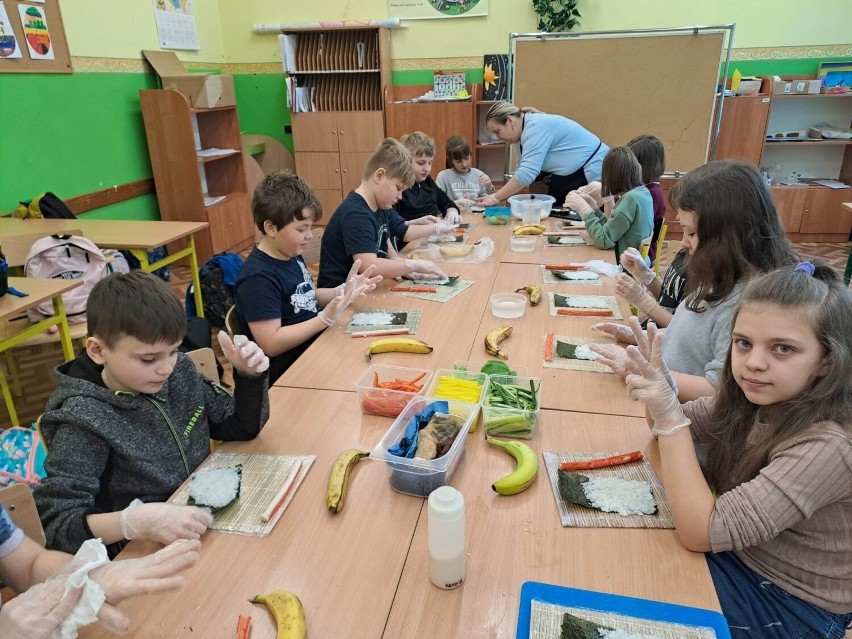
[489,153]
[199,189]
[743,127]
[347,70]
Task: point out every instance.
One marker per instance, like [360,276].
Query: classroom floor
[36,364]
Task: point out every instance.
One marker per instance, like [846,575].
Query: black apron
[559,186]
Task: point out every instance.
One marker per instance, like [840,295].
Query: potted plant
[556,15]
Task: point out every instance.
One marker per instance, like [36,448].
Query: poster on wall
[176,24]
[35,32]
[8,43]
[425,9]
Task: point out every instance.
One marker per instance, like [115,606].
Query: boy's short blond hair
[394,158]
[418,143]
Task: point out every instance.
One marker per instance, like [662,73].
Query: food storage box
[508,305]
[501,417]
[497,214]
[419,477]
[389,402]
[520,202]
[471,375]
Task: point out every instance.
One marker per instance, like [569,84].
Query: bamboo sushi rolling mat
[548,277]
[571,364]
[411,321]
[453,238]
[546,621]
[611,302]
[443,292]
[582,517]
[262,477]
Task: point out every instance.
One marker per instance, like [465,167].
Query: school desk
[136,236]
[39,290]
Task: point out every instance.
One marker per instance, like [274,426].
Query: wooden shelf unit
[175,131]
[333,142]
[489,158]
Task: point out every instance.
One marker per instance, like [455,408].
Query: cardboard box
[795,86]
[749,86]
[204,91]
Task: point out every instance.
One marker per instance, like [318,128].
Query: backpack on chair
[217,276]
[69,257]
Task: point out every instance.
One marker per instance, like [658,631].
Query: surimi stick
[282,494]
[603,312]
[390,331]
[565,267]
[413,289]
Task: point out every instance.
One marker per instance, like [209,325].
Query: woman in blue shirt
[554,149]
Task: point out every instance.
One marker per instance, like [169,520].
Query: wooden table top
[343,567]
[518,538]
[124,234]
[39,290]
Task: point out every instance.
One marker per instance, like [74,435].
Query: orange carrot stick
[548,346]
[604,462]
[244,627]
[594,312]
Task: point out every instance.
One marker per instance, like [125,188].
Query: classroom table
[518,538]
[136,236]
[39,290]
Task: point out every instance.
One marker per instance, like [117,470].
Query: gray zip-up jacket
[106,448]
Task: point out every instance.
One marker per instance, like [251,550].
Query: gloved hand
[644,341]
[423,269]
[488,200]
[611,355]
[486,183]
[121,580]
[245,356]
[40,611]
[356,285]
[426,219]
[452,217]
[631,259]
[620,332]
[579,203]
[593,190]
[442,228]
[647,382]
[635,294]
[163,522]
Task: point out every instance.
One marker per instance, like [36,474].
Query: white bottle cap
[445,502]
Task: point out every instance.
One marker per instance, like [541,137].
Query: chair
[18,501]
[205,361]
[233,324]
[311,254]
[645,246]
[661,236]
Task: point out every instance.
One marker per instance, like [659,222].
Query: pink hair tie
[806,267]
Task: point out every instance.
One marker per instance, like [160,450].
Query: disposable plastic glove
[635,294]
[613,356]
[451,217]
[442,228]
[488,200]
[593,190]
[424,269]
[486,183]
[632,261]
[644,342]
[647,382]
[245,356]
[40,611]
[620,332]
[580,204]
[356,285]
[164,522]
[426,219]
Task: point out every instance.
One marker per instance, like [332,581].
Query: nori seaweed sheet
[560,300]
[576,628]
[571,488]
[564,349]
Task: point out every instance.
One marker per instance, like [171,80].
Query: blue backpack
[22,456]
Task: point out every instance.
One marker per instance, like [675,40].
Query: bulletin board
[53,40]
[622,84]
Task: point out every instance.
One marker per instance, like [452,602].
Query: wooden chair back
[233,324]
[661,236]
[18,501]
[205,361]
[17,247]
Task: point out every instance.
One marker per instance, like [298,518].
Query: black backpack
[217,287]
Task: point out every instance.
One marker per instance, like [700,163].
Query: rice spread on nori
[609,494]
[215,488]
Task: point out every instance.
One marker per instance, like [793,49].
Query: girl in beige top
[772,504]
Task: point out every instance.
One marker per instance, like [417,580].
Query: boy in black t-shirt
[424,197]
[365,227]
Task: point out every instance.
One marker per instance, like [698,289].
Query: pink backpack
[69,257]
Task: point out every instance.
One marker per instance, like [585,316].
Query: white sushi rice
[620,634]
[587,301]
[214,487]
[372,319]
[622,496]
[580,275]
[584,352]
[433,282]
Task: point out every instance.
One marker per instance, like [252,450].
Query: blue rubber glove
[407,446]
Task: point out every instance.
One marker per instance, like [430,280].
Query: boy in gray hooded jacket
[131,418]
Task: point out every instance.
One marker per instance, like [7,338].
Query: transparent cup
[531,212]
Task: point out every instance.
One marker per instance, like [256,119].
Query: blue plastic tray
[628,606]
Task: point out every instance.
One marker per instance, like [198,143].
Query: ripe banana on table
[525,471]
[533,291]
[529,229]
[398,345]
[338,478]
[493,339]
[456,251]
[287,611]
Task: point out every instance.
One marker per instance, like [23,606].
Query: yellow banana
[456,251]
[493,339]
[529,229]
[397,345]
[525,471]
[534,293]
[338,478]
[287,611]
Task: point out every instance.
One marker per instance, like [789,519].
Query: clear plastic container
[497,215]
[519,202]
[385,402]
[419,477]
[522,243]
[472,375]
[502,421]
[508,305]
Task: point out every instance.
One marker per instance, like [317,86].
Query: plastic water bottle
[446,537]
